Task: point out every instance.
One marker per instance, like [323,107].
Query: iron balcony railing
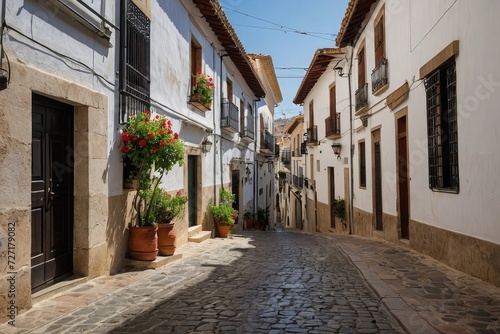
[332,125]
[362,96]
[298,181]
[266,141]
[312,135]
[248,128]
[379,76]
[286,157]
[230,120]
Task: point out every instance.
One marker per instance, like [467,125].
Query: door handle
[49,196]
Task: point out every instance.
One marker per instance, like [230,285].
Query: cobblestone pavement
[276,282]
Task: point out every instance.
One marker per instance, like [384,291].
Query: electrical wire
[61,55]
[283,28]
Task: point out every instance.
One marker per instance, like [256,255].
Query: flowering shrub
[203,85]
[224,213]
[152,146]
[167,207]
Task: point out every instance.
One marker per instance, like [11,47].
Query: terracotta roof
[268,68]
[351,24]
[319,64]
[219,23]
[294,122]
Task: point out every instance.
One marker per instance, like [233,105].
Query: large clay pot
[143,243]
[224,230]
[166,239]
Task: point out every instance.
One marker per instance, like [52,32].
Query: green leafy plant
[339,208]
[167,207]
[224,213]
[263,215]
[247,215]
[150,144]
[203,86]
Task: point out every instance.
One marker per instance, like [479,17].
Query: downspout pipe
[255,161]
[220,135]
[4,3]
[351,193]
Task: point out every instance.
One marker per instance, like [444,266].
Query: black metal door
[378,187]
[51,192]
[192,190]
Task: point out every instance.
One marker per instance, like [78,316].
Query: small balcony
[303,149]
[312,135]
[266,141]
[380,78]
[361,99]
[332,126]
[248,128]
[286,157]
[298,181]
[230,116]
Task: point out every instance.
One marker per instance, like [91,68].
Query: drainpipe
[351,193]
[4,2]
[220,136]
[255,162]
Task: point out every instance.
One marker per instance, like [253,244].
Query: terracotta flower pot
[224,230]
[166,239]
[143,243]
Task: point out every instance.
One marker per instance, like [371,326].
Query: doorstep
[160,261]
[57,288]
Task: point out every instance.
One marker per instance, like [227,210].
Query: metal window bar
[361,96]
[451,87]
[135,96]
[230,118]
[434,130]
[379,76]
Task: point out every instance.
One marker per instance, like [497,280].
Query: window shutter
[361,68]
[379,41]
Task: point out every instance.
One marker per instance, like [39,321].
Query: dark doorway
[377,170]
[403,178]
[235,189]
[332,196]
[51,192]
[193,190]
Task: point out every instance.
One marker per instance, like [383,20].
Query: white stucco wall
[416,31]
[474,211]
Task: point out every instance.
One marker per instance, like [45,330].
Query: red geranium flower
[142,142]
[126,149]
[163,143]
[126,136]
[151,136]
[146,119]
[147,112]
[176,135]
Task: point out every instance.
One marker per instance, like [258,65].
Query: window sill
[195,101]
[361,110]
[381,89]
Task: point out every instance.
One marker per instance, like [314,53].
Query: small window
[442,130]
[379,39]
[362,165]
[311,113]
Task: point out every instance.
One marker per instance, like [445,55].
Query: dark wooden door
[379,225]
[332,196]
[404,216]
[51,192]
[192,190]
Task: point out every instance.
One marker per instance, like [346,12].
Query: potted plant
[339,208]
[263,218]
[153,148]
[166,209]
[202,90]
[248,217]
[224,214]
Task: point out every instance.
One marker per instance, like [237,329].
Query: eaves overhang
[318,66]
[351,24]
[213,13]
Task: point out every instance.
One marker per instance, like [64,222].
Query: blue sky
[290,31]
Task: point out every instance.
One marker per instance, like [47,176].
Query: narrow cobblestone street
[276,282]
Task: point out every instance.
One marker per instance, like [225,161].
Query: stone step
[159,262]
[194,230]
[58,288]
[200,237]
